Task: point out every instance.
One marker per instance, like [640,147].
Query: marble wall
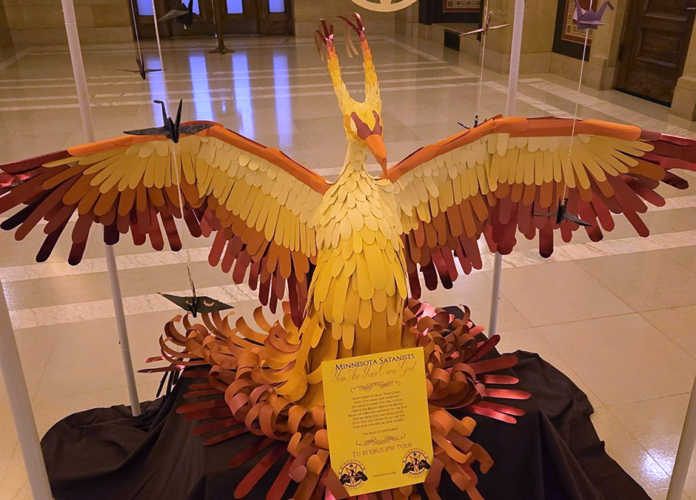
[684,102]
[41,21]
[5,35]
[308,13]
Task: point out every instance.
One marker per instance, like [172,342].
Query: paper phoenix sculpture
[348,256]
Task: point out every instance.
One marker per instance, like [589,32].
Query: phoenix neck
[356,156]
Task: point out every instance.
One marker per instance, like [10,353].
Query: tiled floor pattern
[616,316]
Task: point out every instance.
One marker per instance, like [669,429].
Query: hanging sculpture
[587,18]
[348,254]
[142,70]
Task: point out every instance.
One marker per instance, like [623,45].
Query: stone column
[405,20]
[684,102]
[537,37]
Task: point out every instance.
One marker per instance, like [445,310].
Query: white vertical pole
[88,126]
[20,403]
[686,448]
[514,77]
[159,46]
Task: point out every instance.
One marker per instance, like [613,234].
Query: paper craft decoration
[241,399]
[195,304]
[586,18]
[183,15]
[378,421]
[347,254]
[562,214]
[172,129]
[142,69]
[486,26]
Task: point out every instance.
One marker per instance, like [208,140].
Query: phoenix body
[350,256]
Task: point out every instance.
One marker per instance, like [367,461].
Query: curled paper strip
[240,385]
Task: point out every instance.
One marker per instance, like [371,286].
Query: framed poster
[464,6]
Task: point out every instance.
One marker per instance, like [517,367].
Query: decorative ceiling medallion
[384,5]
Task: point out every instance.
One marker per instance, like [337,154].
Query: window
[196,8]
[235,7]
[276,6]
[144,7]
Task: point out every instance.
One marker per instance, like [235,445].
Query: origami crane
[586,18]
[486,26]
[347,253]
[195,304]
[562,214]
[142,70]
[183,15]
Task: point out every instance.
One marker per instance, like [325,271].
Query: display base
[551,453]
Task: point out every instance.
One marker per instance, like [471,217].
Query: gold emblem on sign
[416,463]
[384,5]
[352,474]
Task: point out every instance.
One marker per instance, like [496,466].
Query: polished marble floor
[616,316]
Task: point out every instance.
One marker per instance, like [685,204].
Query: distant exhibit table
[552,453]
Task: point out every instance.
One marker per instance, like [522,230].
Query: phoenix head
[362,120]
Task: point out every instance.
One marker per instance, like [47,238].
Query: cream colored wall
[684,102]
[600,73]
[537,37]
[308,13]
[406,20]
[41,21]
[537,41]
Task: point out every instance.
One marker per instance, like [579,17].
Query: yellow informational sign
[378,420]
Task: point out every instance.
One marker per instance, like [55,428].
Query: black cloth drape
[553,452]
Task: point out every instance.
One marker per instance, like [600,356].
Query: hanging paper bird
[486,26]
[194,304]
[172,129]
[183,15]
[562,214]
[344,251]
[586,18]
[142,69]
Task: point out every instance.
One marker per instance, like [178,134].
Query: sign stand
[88,126]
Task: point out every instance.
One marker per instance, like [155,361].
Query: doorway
[654,47]
[240,17]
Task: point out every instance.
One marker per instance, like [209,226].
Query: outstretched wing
[492,179]
[258,201]
[173,14]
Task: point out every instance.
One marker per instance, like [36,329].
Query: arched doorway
[241,17]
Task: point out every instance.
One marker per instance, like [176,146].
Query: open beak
[379,150]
